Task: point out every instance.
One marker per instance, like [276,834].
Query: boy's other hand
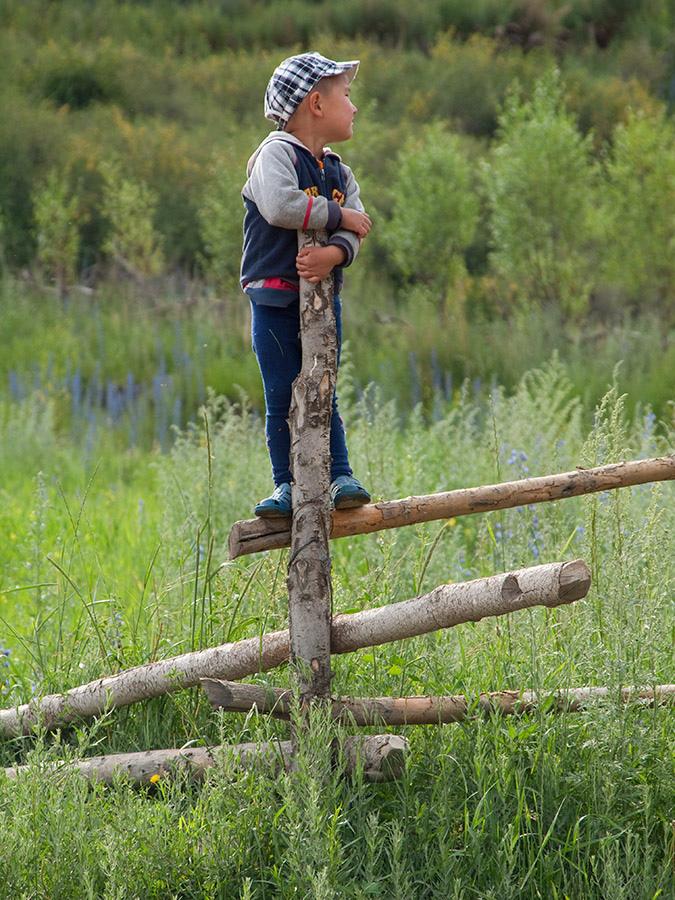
[358,222]
[316,263]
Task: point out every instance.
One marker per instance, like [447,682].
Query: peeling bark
[308,581]
[549,585]
[231,696]
[252,535]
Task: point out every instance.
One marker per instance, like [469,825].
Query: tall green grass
[115,558]
[125,366]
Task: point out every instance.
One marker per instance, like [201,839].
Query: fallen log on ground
[548,585]
[232,696]
[382,757]
[252,535]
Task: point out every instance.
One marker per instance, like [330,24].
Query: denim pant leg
[275,333]
[339,455]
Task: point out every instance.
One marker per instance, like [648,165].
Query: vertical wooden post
[309,581]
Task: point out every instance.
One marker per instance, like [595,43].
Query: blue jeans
[275,333]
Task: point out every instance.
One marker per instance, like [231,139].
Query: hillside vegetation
[518,160]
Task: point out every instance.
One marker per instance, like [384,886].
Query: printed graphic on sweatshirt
[312,191]
[339,197]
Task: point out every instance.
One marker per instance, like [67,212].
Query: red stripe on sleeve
[307,214]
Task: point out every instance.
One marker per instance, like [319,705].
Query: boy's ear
[315,102]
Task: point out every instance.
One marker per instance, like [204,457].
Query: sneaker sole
[351,502]
[272,514]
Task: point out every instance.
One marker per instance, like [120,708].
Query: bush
[601,103]
[435,209]
[130,208]
[220,219]
[32,140]
[75,76]
[637,211]
[58,239]
[541,186]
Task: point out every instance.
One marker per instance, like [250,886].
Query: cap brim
[350,67]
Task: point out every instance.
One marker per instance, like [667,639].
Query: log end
[575,581]
[218,692]
[234,696]
[234,545]
[382,756]
[253,535]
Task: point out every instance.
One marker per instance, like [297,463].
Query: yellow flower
[452,522]
[154,778]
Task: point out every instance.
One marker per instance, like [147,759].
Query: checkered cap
[294,78]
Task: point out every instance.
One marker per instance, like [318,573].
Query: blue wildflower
[519,458]
[4,664]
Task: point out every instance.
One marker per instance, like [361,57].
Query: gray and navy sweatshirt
[289,189]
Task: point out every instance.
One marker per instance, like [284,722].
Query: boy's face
[338,109]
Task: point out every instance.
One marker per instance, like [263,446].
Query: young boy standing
[296,182]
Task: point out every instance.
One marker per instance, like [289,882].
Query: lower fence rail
[236,697]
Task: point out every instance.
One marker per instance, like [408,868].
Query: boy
[296,182]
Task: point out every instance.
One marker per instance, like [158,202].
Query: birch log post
[382,757]
[252,535]
[232,696]
[548,585]
[309,582]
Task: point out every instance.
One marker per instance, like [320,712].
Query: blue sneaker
[347,492]
[277,506]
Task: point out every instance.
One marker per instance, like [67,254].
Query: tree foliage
[540,183]
[220,221]
[435,208]
[638,211]
[129,206]
[164,88]
[56,211]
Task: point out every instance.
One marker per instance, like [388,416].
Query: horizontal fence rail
[232,696]
[252,535]
[446,606]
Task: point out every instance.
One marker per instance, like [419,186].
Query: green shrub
[75,75]
[541,188]
[220,219]
[76,88]
[130,206]
[469,81]
[601,103]
[32,140]
[56,221]
[171,161]
[435,209]
[637,211]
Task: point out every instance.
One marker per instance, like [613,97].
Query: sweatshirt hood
[288,139]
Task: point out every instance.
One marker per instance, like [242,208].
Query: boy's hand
[358,222]
[316,263]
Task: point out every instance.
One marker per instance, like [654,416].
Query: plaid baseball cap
[294,78]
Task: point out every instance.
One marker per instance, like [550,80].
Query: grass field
[510,152]
[135,364]
[115,557]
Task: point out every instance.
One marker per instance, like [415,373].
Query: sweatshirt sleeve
[273,187]
[347,240]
